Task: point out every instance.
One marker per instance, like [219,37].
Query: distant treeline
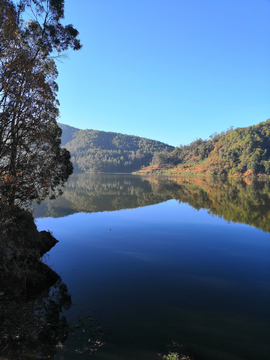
[100,151]
[243,151]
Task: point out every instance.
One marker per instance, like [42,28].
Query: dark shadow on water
[33,326]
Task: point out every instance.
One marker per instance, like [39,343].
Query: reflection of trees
[34,325]
[232,200]
[95,193]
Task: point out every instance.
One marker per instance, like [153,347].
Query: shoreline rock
[21,249]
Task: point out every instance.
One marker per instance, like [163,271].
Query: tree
[32,162]
[160,158]
[254,163]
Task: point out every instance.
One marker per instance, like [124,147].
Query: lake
[152,262]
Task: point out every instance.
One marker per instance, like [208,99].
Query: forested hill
[68,133]
[243,151]
[101,151]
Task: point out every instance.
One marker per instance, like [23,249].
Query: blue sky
[169,70]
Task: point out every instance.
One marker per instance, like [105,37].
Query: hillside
[68,133]
[101,151]
[239,152]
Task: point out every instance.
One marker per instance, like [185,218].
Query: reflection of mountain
[236,201]
[102,192]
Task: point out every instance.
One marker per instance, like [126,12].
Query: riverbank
[193,170]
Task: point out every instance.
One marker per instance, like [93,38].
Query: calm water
[161,261]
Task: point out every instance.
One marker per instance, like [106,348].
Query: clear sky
[168,70]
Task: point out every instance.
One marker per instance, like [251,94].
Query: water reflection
[33,298]
[166,273]
[233,200]
[34,326]
[102,192]
[241,201]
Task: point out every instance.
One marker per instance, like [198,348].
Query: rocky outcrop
[21,247]
[47,241]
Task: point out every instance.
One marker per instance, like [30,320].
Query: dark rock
[41,278]
[47,241]
[21,247]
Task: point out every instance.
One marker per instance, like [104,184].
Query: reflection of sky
[161,257]
[169,211]
[151,232]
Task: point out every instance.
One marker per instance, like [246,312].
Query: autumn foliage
[32,162]
[239,152]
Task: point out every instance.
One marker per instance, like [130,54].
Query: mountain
[239,152]
[101,151]
[68,133]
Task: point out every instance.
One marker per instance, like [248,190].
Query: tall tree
[32,162]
